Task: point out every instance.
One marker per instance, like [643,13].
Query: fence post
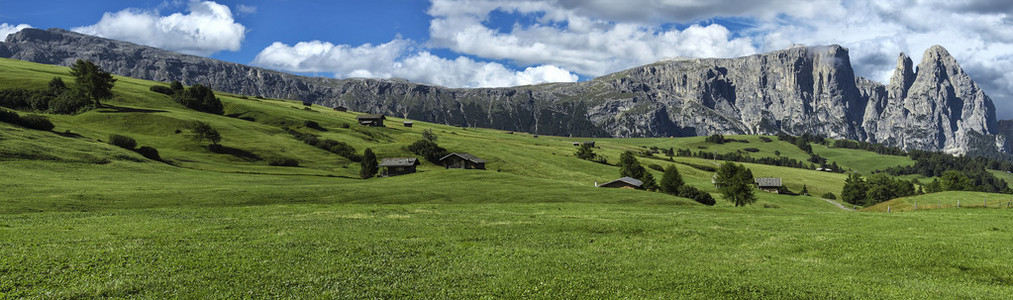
[958,202]
[887,208]
[916,205]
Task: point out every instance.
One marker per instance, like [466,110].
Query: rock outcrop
[793,91]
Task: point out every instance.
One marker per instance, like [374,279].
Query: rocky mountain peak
[902,77]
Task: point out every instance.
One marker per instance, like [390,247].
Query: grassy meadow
[81,219]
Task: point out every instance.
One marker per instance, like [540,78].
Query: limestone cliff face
[938,107]
[794,91]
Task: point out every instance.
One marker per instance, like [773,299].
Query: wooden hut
[341,108]
[623,183]
[769,184]
[370,120]
[393,166]
[462,161]
[408,123]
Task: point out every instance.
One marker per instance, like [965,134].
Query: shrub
[688,191]
[307,103]
[70,102]
[345,125]
[280,161]
[149,152]
[428,149]
[312,125]
[122,141]
[11,117]
[754,150]
[830,196]
[765,139]
[161,89]
[716,139]
[657,167]
[37,122]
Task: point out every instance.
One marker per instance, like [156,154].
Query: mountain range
[799,90]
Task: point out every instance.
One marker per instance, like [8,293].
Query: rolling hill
[80,218]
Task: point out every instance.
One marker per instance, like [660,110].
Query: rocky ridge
[793,91]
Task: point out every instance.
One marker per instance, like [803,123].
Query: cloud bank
[7,29]
[205,29]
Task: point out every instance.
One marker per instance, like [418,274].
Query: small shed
[462,161]
[370,120]
[623,183]
[341,108]
[769,184]
[393,166]
[408,123]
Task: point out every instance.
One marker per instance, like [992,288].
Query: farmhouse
[408,123]
[393,166]
[769,184]
[623,183]
[462,161]
[371,120]
[341,108]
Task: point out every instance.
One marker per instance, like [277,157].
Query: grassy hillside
[950,199]
[80,218]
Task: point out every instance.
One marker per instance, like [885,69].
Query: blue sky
[482,43]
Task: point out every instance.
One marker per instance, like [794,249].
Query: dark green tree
[200,98]
[176,86]
[671,181]
[953,180]
[203,132]
[805,190]
[736,184]
[57,87]
[428,135]
[368,164]
[629,166]
[95,82]
[585,152]
[855,189]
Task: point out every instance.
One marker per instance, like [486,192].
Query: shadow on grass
[117,109]
[238,153]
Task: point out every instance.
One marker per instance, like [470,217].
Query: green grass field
[82,219]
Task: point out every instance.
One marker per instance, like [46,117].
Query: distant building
[462,161]
[623,183]
[769,184]
[584,143]
[393,166]
[407,123]
[341,108]
[371,120]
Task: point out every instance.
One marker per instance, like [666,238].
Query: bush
[307,103]
[830,196]
[345,125]
[657,167]
[37,122]
[149,152]
[765,139]
[753,150]
[716,139]
[688,191]
[312,125]
[283,162]
[70,102]
[122,141]
[11,117]
[161,89]
[429,150]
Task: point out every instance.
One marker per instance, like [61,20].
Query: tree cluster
[735,182]
[428,150]
[586,152]
[30,121]
[199,98]
[877,148]
[92,85]
[875,189]
[936,164]
[673,184]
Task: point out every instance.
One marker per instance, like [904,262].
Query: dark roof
[465,156]
[369,117]
[630,180]
[768,181]
[399,162]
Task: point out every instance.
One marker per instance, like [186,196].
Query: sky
[490,43]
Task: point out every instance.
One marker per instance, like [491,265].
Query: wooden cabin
[341,108]
[623,183]
[462,161]
[370,120]
[393,166]
[408,123]
[769,184]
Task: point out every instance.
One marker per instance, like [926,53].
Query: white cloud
[391,59]
[7,29]
[246,9]
[208,27]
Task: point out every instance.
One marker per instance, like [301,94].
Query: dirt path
[838,204]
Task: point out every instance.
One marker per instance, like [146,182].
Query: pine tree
[368,164]
[736,184]
[671,181]
[95,82]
